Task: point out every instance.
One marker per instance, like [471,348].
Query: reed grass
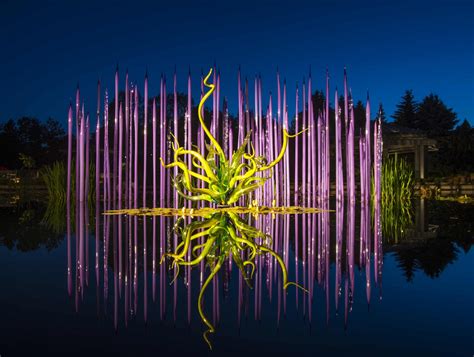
[396,198]
[55,179]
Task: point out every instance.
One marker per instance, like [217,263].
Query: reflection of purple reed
[264,278]
[97,243]
[115,273]
[350,284]
[163,269]
[68,242]
[339,240]
[119,196]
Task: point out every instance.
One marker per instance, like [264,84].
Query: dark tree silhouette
[9,144]
[42,142]
[405,114]
[22,229]
[434,117]
[456,152]
[464,145]
[359,117]
[319,100]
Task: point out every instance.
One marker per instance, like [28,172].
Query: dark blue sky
[387,46]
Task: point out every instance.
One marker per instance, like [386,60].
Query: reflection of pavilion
[430,244]
[407,141]
[422,228]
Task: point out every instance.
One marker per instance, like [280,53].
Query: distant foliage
[431,115]
[455,153]
[28,142]
[434,117]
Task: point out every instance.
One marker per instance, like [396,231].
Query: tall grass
[55,179]
[396,195]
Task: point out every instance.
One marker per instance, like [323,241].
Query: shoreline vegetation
[29,185]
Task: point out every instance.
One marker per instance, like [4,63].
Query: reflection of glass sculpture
[222,236]
[227,179]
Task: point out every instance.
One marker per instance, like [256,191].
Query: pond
[404,289]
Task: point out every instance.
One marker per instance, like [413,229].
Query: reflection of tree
[455,221]
[22,229]
[433,255]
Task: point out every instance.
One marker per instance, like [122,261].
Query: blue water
[408,315]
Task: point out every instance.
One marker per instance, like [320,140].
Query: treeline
[28,142]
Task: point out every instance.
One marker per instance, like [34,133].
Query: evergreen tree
[463,145]
[359,117]
[319,100]
[435,117]
[405,114]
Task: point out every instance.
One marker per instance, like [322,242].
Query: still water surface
[412,295]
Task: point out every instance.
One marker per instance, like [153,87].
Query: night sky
[387,46]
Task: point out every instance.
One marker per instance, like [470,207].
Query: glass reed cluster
[225,180]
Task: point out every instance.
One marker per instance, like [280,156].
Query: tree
[9,145]
[319,102]
[464,145]
[405,114]
[435,117]
[359,117]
